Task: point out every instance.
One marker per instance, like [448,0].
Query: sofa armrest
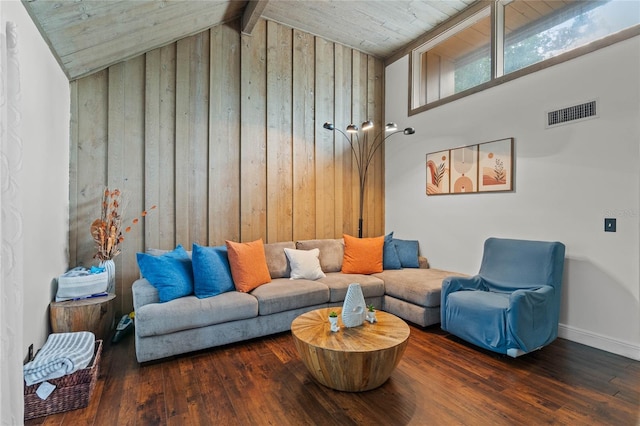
[143,293]
[423,262]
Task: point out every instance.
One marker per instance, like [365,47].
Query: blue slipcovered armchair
[513,304]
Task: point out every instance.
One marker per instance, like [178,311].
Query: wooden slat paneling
[375,100]
[224,135]
[152,171]
[358,115]
[192,135]
[125,163]
[325,178]
[88,166]
[279,135]
[223,132]
[182,142]
[199,139]
[304,125]
[346,212]
[253,160]
[160,123]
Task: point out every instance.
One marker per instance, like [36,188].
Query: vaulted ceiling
[89,35]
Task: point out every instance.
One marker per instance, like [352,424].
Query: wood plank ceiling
[90,35]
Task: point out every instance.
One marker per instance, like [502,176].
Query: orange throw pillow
[248,265]
[362,255]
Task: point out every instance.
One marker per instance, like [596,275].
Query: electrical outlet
[30,355]
[609,225]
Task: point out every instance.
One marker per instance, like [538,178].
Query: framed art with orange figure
[464,169]
[496,166]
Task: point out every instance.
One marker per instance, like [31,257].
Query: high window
[493,42]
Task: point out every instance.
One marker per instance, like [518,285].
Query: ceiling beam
[252,13]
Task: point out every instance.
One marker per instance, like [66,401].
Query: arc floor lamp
[363,151]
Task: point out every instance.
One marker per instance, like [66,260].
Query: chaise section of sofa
[414,294]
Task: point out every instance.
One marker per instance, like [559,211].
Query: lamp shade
[352,128]
[367,125]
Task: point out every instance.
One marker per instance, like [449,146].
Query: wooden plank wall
[223,132]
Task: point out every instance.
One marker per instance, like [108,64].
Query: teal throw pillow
[407,252]
[390,259]
[211,271]
[170,273]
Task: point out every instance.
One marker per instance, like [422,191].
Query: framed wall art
[464,169]
[484,167]
[496,166]
[438,173]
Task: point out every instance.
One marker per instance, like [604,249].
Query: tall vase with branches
[108,233]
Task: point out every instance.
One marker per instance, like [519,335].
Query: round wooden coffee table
[352,359]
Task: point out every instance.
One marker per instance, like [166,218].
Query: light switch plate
[609,225]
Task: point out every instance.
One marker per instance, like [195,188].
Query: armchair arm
[453,284]
[532,319]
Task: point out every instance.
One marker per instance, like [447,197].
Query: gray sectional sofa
[188,324]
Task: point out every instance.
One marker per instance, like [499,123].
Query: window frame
[465,20]
[497,53]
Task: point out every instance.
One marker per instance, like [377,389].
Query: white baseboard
[599,341]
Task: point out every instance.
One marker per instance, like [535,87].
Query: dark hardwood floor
[440,381]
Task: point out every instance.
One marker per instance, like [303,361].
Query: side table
[96,315]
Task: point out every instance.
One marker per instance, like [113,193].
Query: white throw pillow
[305,264]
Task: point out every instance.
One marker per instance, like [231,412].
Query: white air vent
[573,113]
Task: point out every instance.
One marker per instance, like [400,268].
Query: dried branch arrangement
[107,230]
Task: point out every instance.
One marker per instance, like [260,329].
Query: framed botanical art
[484,167]
[464,169]
[496,165]
[438,173]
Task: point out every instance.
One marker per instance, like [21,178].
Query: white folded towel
[62,354]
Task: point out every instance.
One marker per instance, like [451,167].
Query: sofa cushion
[331,252]
[338,283]
[190,312]
[407,252]
[171,273]
[305,264]
[390,259]
[419,286]
[248,265]
[283,294]
[211,271]
[362,255]
[276,260]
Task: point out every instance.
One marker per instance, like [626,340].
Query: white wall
[567,180]
[45,110]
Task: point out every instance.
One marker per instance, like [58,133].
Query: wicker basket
[72,391]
